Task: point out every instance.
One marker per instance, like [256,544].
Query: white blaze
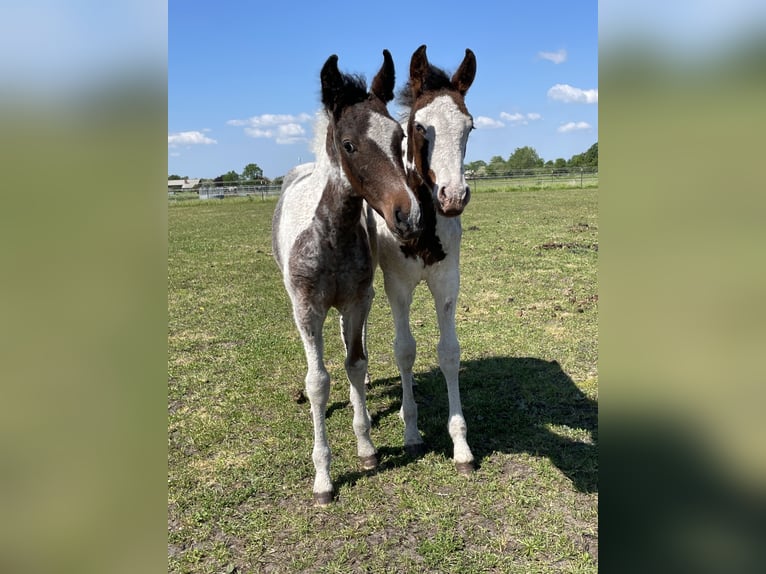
[447,130]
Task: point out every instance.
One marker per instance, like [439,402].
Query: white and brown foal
[438,124]
[321,242]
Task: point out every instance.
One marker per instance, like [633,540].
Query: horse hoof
[322,498]
[465,468]
[415,450]
[369,462]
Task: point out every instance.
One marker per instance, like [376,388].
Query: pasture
[240,435]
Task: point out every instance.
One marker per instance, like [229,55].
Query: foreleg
[445,292]
[405,349]
[318,392]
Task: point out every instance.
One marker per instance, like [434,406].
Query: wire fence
[221,192]
[525,179]
[535,178]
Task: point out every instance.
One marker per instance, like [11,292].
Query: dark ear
[383,84]
[418,71]
[332,83]
[463,78]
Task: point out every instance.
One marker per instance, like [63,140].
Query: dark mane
[352,91]
[436,79]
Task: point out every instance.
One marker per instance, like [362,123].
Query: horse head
[366,142]
[438,128]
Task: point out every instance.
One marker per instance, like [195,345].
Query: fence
[531,179]
[536,178]
[238,191]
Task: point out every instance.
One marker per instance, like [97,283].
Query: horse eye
[348,146]
[420,128]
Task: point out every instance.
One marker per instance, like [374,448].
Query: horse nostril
[442,195]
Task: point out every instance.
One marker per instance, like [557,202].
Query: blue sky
[243,77]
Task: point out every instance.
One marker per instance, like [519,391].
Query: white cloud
[555,57]
[568,94]
[483,122]
[574,126]
[189,138]
[259,133]
[519,118]
[290,133]
[512,117]
[266,120]
[283,128]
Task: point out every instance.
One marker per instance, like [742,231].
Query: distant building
[175,185]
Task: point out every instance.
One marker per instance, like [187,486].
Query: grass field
[239,445]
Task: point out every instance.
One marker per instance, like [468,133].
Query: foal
[321,242]
[438,124]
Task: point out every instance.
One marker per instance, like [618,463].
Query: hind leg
[353,319]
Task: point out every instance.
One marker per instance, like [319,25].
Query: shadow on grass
[511,405]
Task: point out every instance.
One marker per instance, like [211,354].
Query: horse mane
[321,121]
[436,79]
[351,90]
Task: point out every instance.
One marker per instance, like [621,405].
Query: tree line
[522,158]
[526,158]
[250,175]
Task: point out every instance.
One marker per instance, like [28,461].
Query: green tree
[588,158]
[591,156]
[524,158]
[496,165]
[475,168]
[252,172]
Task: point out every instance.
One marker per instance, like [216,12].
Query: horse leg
[352,327]
[445,293]
[400,298]
[318,392]
[367,378]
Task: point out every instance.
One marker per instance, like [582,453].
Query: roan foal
[321,242]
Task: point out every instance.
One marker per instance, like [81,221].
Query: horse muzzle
[451,203]
[407,225]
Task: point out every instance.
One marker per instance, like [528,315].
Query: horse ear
[418,71]
[383,83]
[332,82]
[463,78]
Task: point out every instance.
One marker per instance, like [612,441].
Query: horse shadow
[511,405]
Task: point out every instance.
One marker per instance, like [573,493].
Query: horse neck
[339,208]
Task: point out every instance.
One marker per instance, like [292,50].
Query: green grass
[239,446]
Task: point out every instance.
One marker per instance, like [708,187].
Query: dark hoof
[465,468]
[415,450]
[322,498]
[369,462]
